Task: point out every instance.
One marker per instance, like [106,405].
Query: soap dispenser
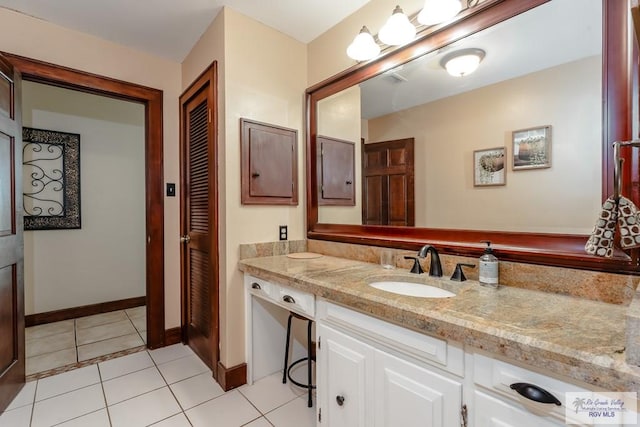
[488,267]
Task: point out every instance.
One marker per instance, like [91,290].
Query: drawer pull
[255,285]
[535,393]
[340,400]
[289,299]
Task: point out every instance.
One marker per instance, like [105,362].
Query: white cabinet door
[489,411]
[345,379]
[409,395]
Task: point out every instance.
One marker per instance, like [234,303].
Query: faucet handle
[417,268]
[458,274]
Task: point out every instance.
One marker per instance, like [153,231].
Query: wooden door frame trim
[56,75]
[208,76]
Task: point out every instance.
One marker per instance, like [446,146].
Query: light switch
[171,189]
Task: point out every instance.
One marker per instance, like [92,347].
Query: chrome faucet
[435,268]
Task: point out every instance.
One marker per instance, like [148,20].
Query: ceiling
[170,28]
[549,35]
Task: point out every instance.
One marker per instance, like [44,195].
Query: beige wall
[561,199]
[263,77]
[38,39]
[105,259]
[339,117]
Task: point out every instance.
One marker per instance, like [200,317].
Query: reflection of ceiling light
[363,47]
[462,62]
[397,30]
[437,11]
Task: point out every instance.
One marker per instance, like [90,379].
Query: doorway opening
[77,273]
[151,99]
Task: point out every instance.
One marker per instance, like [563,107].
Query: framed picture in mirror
[488,167]
[532,148]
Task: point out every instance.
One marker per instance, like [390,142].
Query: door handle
[185,239]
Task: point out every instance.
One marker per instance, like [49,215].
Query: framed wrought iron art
[51,179]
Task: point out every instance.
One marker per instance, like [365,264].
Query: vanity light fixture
[401,29]
[363,47]
[397,30]
[462,62]
[437,11]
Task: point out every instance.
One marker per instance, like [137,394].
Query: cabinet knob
[289,299]
[349,182]
[535,393]
[255,285]
[340,400]
[255,175]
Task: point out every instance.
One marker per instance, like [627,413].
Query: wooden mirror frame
[619,85]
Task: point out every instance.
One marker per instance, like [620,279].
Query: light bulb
[363,47]
[437,11]
[397,30]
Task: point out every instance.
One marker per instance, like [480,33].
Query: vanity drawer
[259,287]
[292,299]
[435,351]
[491,412]
[298,301]
[498,376]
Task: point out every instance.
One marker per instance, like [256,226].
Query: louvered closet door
[199,242]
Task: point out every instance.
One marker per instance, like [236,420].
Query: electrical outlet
[283,232]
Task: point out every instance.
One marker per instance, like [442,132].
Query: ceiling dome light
[462,62]
[397,30]
[363,47]
[437,11]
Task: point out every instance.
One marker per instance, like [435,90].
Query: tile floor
[68,342]
[167,387]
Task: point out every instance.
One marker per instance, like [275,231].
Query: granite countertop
[577,338]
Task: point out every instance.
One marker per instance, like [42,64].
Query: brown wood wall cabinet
[336,174]
[269,172]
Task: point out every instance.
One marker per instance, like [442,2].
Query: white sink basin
[412,289]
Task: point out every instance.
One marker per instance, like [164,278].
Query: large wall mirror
[548,66]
